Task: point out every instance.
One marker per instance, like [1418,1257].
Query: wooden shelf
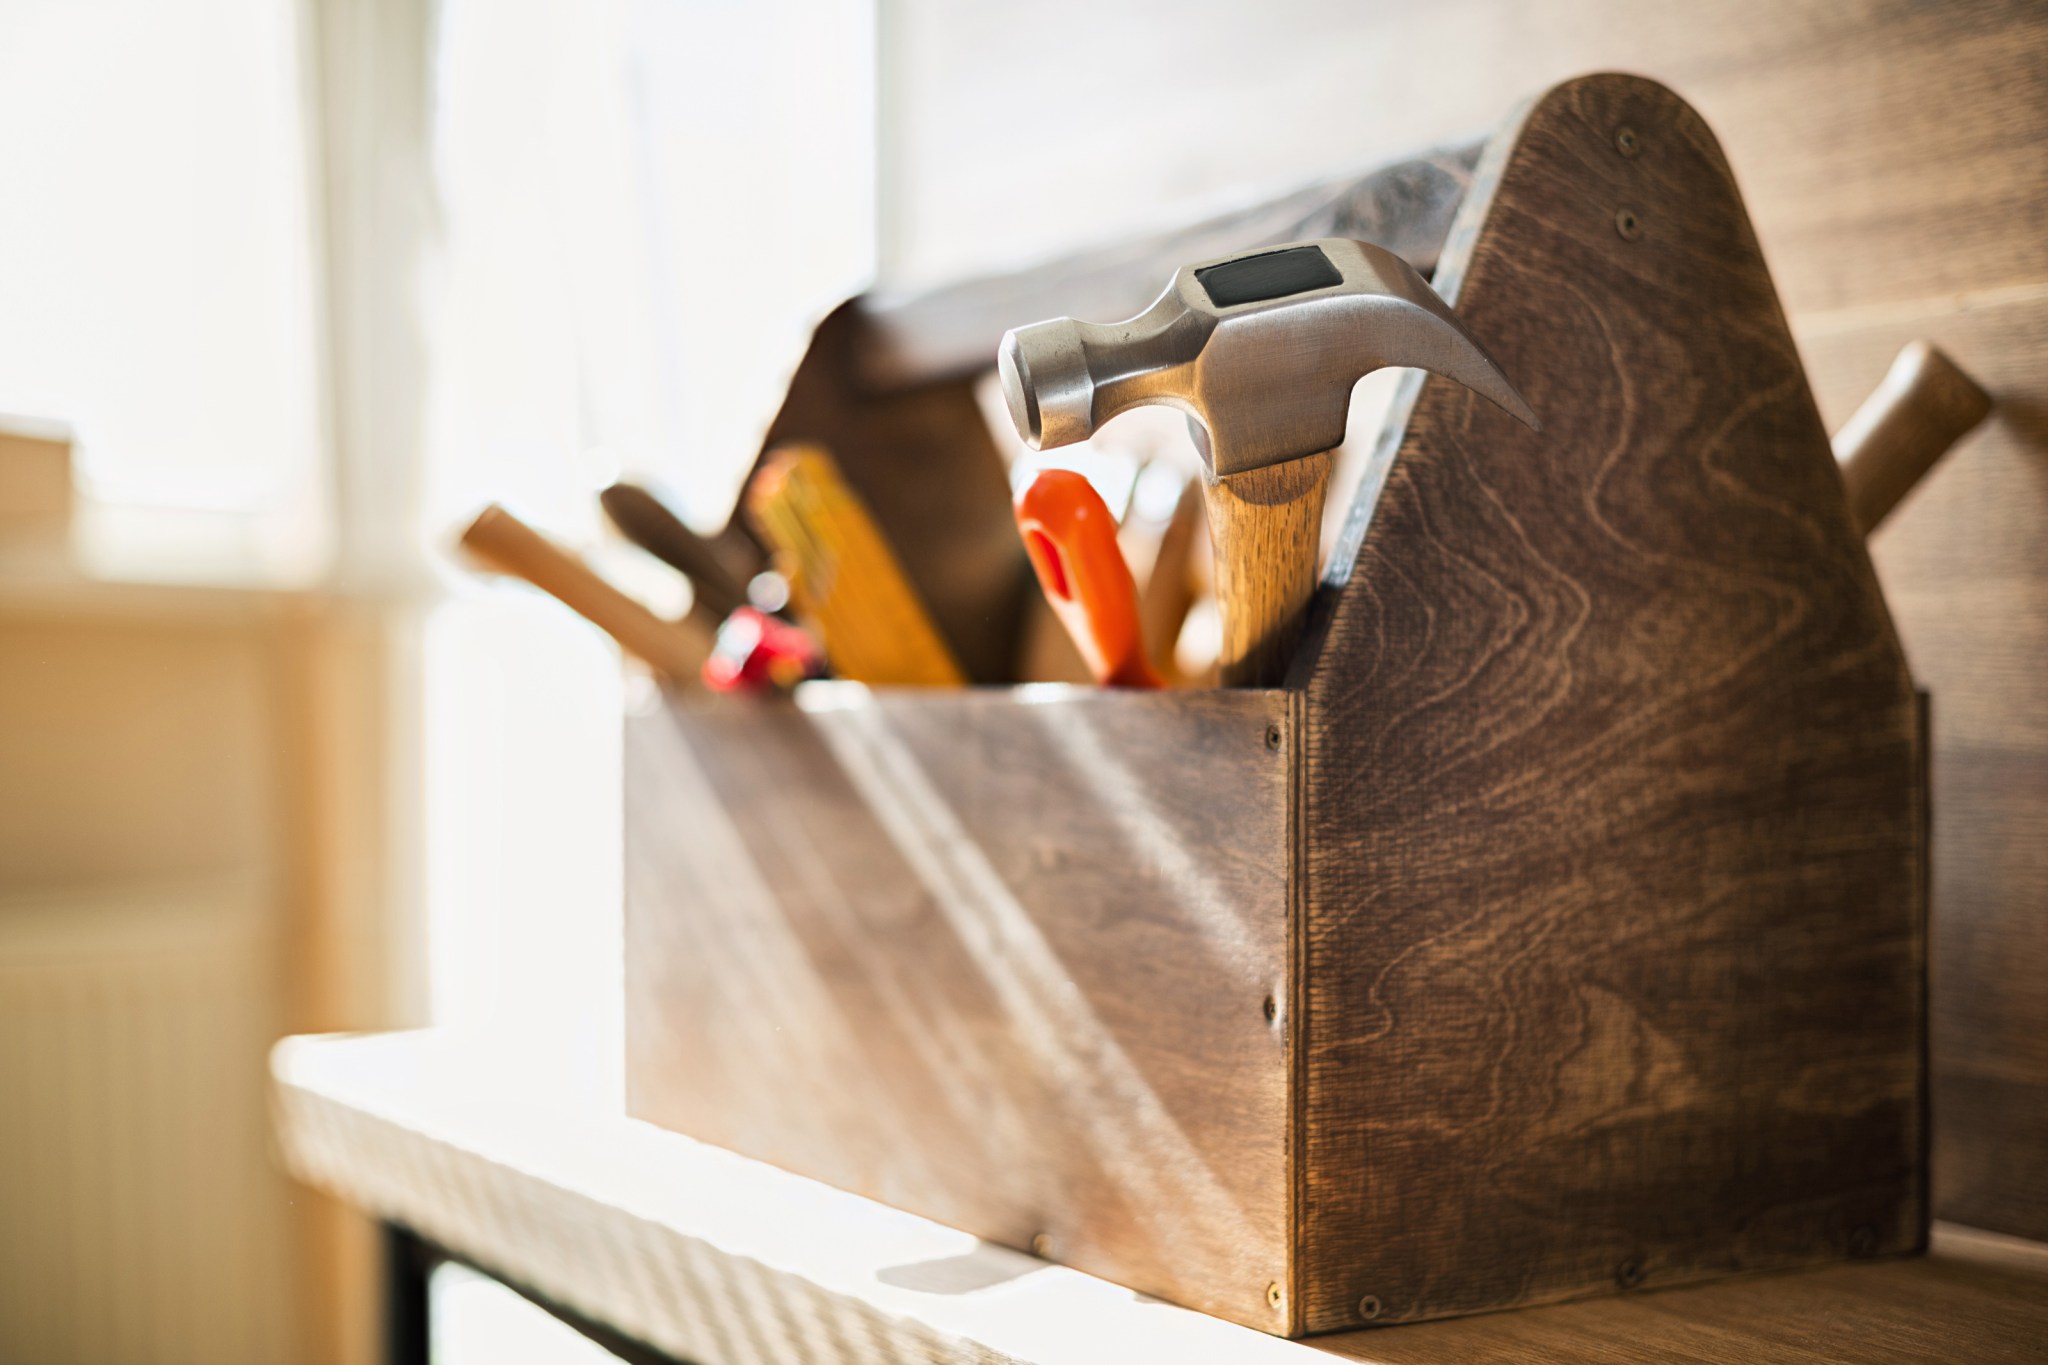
[525,1167]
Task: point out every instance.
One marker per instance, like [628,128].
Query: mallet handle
[1266,528]
[1925,405]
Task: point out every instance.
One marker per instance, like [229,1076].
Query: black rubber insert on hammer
[1274,275]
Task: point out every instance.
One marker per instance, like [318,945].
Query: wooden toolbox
[1557,929]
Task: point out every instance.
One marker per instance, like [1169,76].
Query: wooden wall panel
[1888,150]
[1965,565]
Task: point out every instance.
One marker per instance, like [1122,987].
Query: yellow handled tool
[843,576]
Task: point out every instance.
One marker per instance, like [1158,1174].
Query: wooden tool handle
[646,521]
[1925,405]
[508,545]
[1265,527]
[1169,589]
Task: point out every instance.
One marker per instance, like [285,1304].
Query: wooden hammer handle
[508,545]
[1925,405]
[1265,526]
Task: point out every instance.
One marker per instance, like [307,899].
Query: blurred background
[289,288]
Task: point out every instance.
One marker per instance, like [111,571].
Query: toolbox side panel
[1013,960]
[1613,791]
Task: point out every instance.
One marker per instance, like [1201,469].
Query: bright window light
[155,259]
[645,206]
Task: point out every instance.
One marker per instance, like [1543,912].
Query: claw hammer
[1260,350]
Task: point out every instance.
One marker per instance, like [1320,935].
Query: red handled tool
[1071,539]
[757,653]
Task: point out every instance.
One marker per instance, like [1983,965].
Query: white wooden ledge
[716,1259]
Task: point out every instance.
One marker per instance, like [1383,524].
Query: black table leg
[408,1262]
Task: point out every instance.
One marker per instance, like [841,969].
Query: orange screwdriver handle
[1071,540]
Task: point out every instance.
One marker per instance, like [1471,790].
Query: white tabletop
[527,1169]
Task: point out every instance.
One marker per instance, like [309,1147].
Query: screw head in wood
[1369,1307]
[1274,1296]
[1626,142]
[1627,224]
[1271,1009]
[1273,737]
[1629,1273]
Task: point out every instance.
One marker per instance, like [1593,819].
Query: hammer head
[1260,349]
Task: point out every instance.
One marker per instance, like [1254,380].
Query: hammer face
[1047,383]
[1262,348]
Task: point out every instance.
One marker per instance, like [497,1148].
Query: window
[156,278]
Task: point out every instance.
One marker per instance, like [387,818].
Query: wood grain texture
[1609,869]
[527,1170]
[1613,796]
[1265,529]
[1011,961]
[1965,566]
[924,464]
[1975,1298]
